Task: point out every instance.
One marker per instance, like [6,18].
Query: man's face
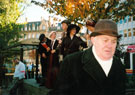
[16,61]
[64,26]
[105,46]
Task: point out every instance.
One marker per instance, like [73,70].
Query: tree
[10,11]
[78,10]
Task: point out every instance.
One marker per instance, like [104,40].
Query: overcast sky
[34,13]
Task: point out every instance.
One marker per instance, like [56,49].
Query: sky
[34,13]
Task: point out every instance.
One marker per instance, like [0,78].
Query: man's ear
[92,40]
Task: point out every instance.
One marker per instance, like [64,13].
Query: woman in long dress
[53,66]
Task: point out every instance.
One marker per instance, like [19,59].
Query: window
[21,29]
[29,28]
[33,35]
[129,30]
[125,34]
[25,28]
[29,36]
[43,27]
[133,33]
[133,29]
[25,36]
[125,31]
[129,34]
[37,28]
[129,19]
[37,35]
[33,28]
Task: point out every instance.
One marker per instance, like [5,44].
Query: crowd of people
[52,51]
[67,69]
[96,70]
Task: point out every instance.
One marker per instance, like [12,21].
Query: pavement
[5,92]
[30,86]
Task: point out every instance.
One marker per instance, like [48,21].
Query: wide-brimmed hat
[66,21]
[71,26]
[106,27]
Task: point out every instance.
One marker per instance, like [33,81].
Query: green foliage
[9,29]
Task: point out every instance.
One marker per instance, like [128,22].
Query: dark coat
[44,61]
[81,74]
[41,49]
[69,45]
[55,60]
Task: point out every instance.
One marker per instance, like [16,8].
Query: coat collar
[92,67]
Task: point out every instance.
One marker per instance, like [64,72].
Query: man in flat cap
[95,71]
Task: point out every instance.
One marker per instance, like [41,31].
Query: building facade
[31,31]
[126,28]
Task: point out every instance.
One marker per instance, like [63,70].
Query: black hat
[71,26]
[66,21]
[41,37]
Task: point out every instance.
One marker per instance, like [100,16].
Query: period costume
[53,64]
[72,44]
[43,61]
[81,74]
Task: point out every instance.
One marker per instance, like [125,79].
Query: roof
[31,41]
[29,25]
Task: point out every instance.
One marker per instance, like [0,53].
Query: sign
[131,48]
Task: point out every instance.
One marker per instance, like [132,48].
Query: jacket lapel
[92,67]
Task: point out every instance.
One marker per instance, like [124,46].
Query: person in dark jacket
[95,71]
[44,53]
[71,43]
